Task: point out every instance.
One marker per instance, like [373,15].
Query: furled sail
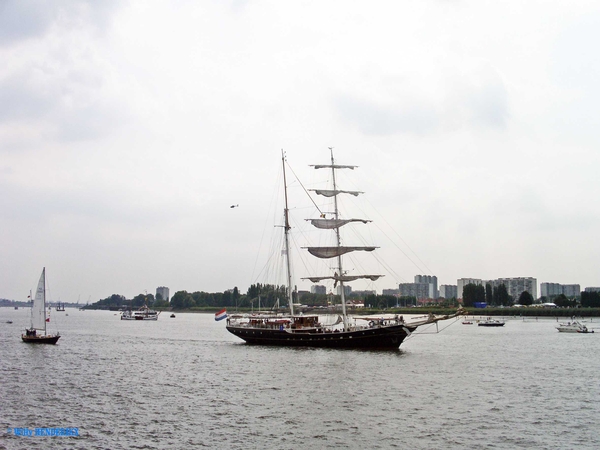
[344,278]
[333,193]
[330,224]
[332,166]
[330,252]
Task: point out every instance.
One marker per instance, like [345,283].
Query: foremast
[335,224]
[286,228]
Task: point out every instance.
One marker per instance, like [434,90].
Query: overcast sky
[127,129]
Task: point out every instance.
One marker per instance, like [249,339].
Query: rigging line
[375,255]
[399,237]
[408,246]
[439,329]
[305,190]
[403,252]
[271,208]
[390,239]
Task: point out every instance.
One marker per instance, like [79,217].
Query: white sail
[330,224]
[330,252]
[38,311]
[333,193]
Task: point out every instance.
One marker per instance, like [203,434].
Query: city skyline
[129,129]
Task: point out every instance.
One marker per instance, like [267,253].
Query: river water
[186,382]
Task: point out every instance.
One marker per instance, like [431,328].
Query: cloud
[489,105]
[380,119]
[25,19]
[62,88]
[20,20]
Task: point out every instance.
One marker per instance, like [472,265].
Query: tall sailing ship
[307,330]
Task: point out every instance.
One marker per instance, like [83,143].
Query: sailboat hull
[389,337]
[40,339]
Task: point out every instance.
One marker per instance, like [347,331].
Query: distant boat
[16,307]
[489,322]
[144,313]
[467,322]
[573,327]
[60,306]
[172,316]
[38,317]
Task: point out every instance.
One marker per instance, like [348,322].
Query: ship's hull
[388,337]
[40,339]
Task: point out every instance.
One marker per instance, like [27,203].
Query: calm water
[186,382]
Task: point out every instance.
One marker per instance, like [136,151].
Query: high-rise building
[571,290]
[318,289]
[516,286]
[550,290]
[163,292]
[462,282]
[432,281]
[347,290]
[448,291]
[417,290]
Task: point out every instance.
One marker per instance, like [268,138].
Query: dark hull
[490,324]
[40,339]
[372,338]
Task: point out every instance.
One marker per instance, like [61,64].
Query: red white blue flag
[221,314]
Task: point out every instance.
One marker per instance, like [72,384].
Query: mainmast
[339,243]
[44,297]
[286,228]
[335,224]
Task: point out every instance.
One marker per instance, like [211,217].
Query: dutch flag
[221,314]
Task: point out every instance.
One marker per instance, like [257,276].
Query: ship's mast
[44,297]
[339,243]
[287,228]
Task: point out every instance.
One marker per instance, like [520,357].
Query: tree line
[268,296]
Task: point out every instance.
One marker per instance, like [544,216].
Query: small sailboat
[38,317]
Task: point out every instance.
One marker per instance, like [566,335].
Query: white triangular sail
[331,224]
[331,252]
[38,310]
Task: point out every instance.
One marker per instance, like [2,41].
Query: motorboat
[489,322]
[573,327]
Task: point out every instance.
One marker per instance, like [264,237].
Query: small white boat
[573,327]
[144,313]
[489,322]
